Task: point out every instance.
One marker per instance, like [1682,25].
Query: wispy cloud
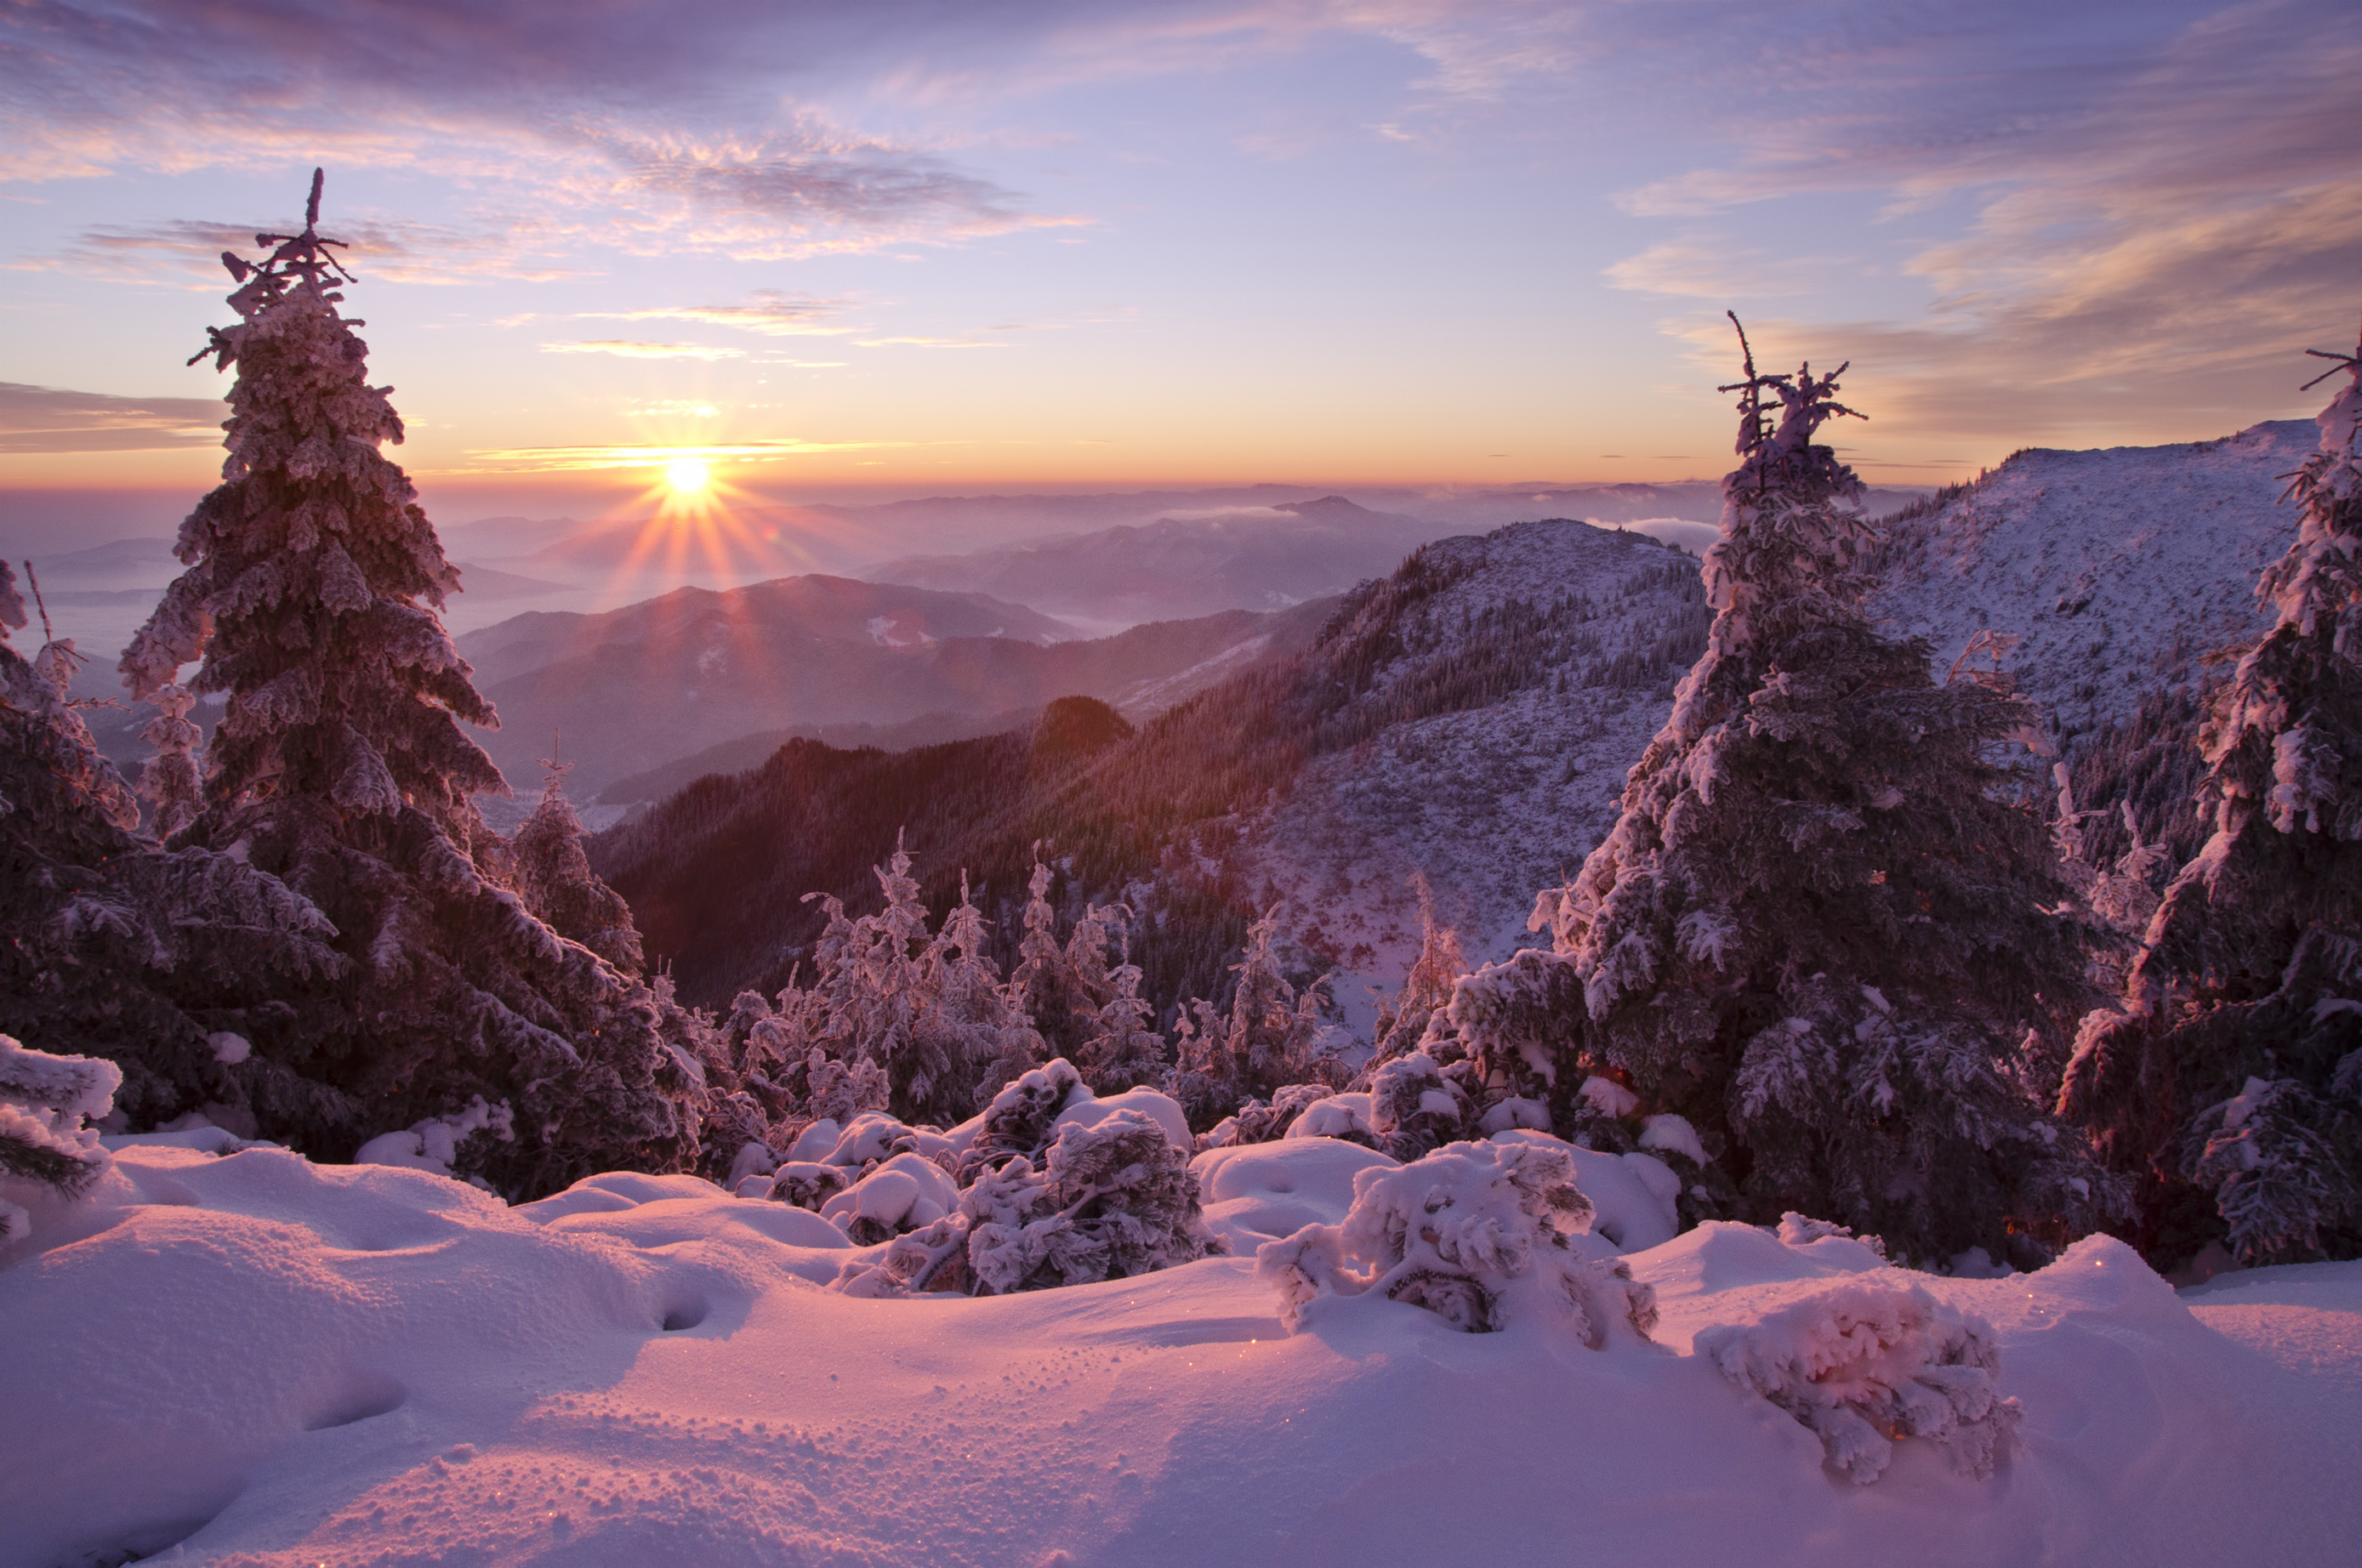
[2149,241]
[1719,272]
[48,419]
[625,348]
[584,459]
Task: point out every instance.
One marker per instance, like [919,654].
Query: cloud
[48,418]
[584,459]
[2161,209]
[771,314]
[1721,272]
[696,143]
[396,251]
[625,348]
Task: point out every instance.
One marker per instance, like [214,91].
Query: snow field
[247,1358]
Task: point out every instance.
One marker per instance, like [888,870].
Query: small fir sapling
[2229,1076]
[1402,1022]
[340,765]
[984,1018]
[1829,920]
[1863,1364]
[1060,987]
[1481,1236]
[46,1105]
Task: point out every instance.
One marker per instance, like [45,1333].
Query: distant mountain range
[638,687]
[1242,557]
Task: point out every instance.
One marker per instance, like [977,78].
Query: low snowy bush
[826,1160]
[1478,1233]
[1414,1108]
[46,1103]
[1019,1121]
[906,1193]
[433,1144]
[1261,1122]
[1345,1116]
[1114,1199]
[1862,1365]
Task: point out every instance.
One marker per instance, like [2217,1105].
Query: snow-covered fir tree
[169,783]
[1272,1037]
[553,875]
[339,766]
[2230,1076]
[1124,1050]
[163,962]
[1819,934]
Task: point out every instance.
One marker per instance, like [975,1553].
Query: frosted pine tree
[161,962]
[1124,1050]
[169,783]
[1818,931]
[340,767]
[1272,1038]
[2230,1076]
[1046,983]
[553,875]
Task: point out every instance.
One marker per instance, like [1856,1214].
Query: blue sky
[928,247]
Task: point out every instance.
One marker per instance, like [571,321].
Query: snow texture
[369,1364]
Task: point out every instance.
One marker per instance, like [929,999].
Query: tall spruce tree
[340,767]
[2229,1079]
[1820,931]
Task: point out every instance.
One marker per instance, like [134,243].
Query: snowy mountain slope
[1491,802]
[250,1359]
[2118,567]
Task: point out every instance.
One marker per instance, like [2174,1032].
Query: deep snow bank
[257,1360]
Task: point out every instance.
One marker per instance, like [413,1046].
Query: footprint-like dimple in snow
[364,1396]
[684,1312]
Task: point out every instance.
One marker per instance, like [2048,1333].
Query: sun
[688,477]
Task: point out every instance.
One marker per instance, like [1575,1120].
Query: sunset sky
[914,247]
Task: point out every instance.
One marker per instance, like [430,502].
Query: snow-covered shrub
[1803,1230]
[1863,1364]
[826,1160]
[1114,1199]
[1261,1122]
[46,1104]
[904,1192]
[1414,1108]
[1019,1121]
[433,1144]
[1342,1116]
[1477,1233]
